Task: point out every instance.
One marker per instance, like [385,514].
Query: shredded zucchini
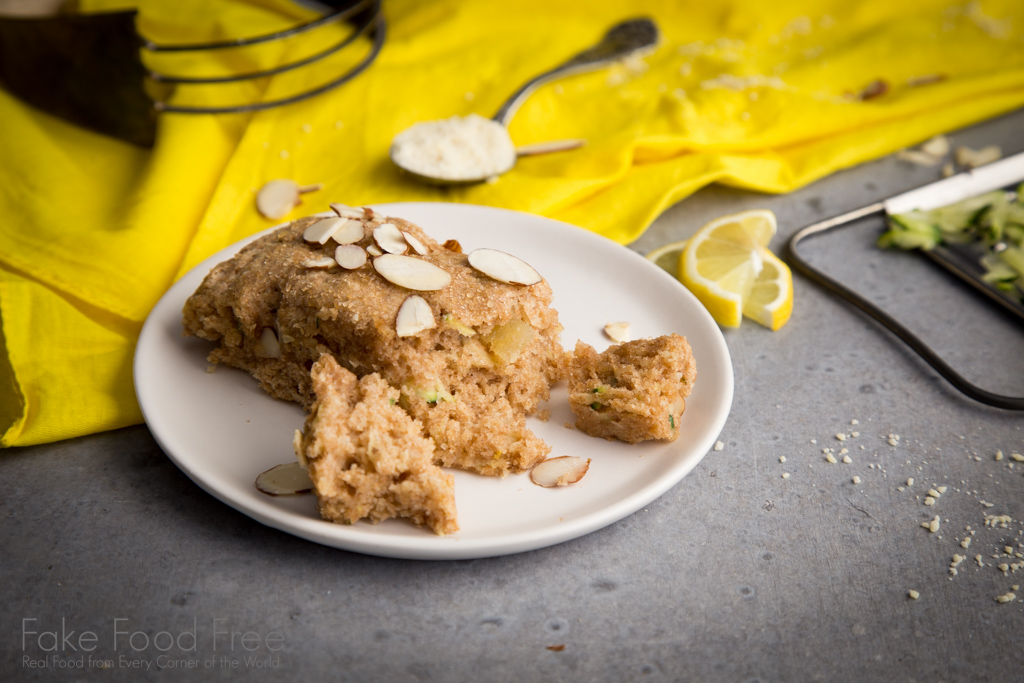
[995,220]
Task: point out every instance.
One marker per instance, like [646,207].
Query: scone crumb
[913,595]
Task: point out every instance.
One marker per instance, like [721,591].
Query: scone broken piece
[633,391]
[367,458]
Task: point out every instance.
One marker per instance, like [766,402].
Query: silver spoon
[620,41]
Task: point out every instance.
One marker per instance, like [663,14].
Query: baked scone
[632,391]
[471,379]
[367,458]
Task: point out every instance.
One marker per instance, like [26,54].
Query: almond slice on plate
[561,471]
[617,332]
[411,273]
[350,256]
[390,238]
[322,230]
[416,245]
[349,232]
[346,211]
[324,262]
[503,267]
[284,480]
[374,250]
[414,316]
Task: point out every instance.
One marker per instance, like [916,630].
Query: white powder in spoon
[459,148]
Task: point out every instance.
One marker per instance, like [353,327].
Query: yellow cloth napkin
[756,95]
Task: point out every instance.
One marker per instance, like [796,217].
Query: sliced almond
[284,480]
[414,316]
[323,262]
[416,245]
[374,250]
[350,256]
[349,232]
[503,267]
[346,211]
[561,471]
[277,198]
[322,230]
[411,273]
[617,332]
[390,238]
[269,346]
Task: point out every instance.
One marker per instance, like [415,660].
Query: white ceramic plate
[222,430]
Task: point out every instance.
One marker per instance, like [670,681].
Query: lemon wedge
[770,301]
[729,268]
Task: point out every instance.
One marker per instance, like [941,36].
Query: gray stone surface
[735,574]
